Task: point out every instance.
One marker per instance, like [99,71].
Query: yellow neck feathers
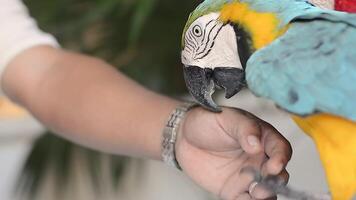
[262,27]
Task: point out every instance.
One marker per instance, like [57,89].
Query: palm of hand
[213,149]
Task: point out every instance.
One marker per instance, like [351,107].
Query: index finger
[277,148]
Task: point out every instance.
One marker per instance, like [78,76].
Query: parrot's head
[214,55]
[218,39]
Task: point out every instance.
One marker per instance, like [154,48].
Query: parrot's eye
[197,31]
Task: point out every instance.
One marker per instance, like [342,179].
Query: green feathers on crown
[206,7]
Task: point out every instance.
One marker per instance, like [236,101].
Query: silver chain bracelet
[170,134]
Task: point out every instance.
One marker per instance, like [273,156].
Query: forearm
[88,101]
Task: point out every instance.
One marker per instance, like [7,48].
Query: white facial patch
[209,43]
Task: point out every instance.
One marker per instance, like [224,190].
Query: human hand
[215,149]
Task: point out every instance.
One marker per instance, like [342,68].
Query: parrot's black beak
[201,83]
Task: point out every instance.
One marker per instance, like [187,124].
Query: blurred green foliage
[141,37]
[50,152]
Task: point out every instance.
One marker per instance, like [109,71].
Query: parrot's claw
[278,186]
[201,83]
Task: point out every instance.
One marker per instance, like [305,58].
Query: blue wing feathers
[312,68]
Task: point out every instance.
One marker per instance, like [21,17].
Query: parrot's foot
[274,184]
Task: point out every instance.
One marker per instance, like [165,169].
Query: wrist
[171,133]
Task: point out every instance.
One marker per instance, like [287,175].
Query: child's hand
[216,149]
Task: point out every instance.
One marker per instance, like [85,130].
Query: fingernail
[253,140]
[252,187]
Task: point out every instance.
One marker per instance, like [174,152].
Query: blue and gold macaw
[300,56]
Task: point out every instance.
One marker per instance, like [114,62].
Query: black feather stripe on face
[244,46]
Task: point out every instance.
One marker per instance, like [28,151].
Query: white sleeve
[18,32]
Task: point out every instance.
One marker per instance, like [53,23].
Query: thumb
[249,136]
[245,128]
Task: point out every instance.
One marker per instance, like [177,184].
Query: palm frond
[54,153]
